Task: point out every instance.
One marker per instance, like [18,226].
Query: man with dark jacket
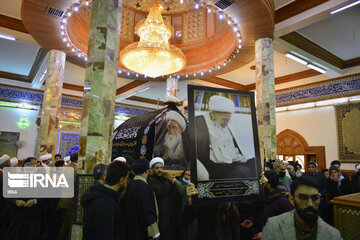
[102,218]
[140,205]
[355,180]
[276,201]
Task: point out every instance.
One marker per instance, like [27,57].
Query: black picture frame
[225,189]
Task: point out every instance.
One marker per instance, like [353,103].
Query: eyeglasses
[305,197]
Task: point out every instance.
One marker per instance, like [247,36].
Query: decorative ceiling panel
[176,24]
[127,25]
[219,24]
[194,26]
[170,6]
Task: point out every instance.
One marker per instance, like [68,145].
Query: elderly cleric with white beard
[170,143]
[218,153]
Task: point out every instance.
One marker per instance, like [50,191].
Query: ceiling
[337,36]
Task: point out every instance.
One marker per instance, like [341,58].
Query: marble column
[50,109]
[98,113]
[265,97]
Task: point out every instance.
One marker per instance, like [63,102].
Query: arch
[290,142]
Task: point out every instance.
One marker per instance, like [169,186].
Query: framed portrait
[224,145]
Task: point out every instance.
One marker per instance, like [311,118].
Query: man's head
[186,174]
[334,173]
[156,165]
[46,159]
[117,174]
[280,168]
[305,198]
[273,179]
[74,157]
[140,167]
[5,160]
[311,167]
[291,166]
[57,157]
[336,163]
[221,109]
[326,173]
[99,172]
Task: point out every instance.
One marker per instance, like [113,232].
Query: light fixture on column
[153,56]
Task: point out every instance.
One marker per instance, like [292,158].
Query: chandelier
[153,56]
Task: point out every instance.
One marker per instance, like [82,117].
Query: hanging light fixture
[153,56]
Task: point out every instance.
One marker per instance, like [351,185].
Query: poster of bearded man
[171,140]
[224,145]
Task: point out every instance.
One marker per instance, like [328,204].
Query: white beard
[174,145]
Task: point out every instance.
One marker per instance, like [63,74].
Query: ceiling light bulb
[68,44]
[86,58]
[64,39]
[196,5]
[119,71]
[86,3]
[69,14]
[209,9]
[76,8]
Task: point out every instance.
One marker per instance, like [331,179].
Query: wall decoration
[68,142]
[23,122]
[348,130]
[194,26]
[15,94]
[9,143]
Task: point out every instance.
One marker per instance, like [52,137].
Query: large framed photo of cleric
[224,145]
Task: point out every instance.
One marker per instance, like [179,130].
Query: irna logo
[33,180]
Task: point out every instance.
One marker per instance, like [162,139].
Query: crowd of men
[137,199]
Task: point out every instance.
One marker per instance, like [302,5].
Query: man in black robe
[140,205]
[169,194]
[102,218]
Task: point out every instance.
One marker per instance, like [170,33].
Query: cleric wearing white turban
[218,153]
[169,143]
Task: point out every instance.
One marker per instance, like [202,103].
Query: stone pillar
[265,97]
[98,113]
[50,109]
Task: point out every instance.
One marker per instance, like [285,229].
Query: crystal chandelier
[153,56]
